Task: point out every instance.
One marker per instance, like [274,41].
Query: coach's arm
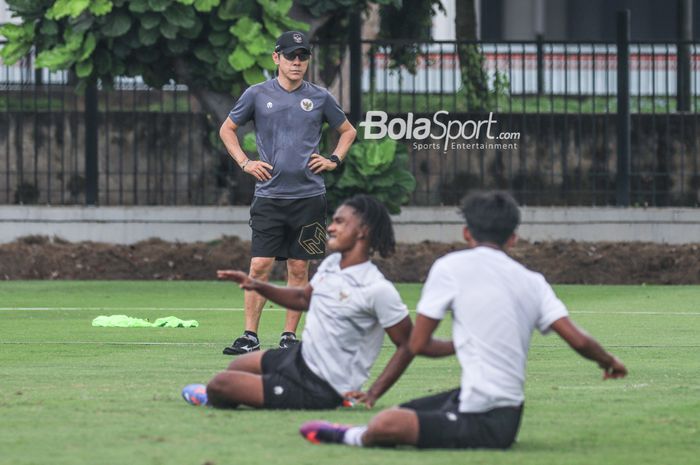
[256,168]
[318,163]
[293,298]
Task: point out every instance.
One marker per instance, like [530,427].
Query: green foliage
[407,19]
[214,44]
[71,8]
[249,144]
[378,168]
[475,81]
[20,37]
[323,7]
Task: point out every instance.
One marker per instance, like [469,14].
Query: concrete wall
[125,225]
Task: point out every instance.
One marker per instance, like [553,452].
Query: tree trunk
[471,59]
[216,104]
[299,13]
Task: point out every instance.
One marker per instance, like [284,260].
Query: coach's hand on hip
[258,169]
[319,163]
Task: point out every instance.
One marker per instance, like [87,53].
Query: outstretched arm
[399,334]
[422,341]
[293,298]
[589,348]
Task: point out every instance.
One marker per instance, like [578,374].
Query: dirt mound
[39,257]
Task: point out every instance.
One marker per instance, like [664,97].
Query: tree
[215,47]
[471,60]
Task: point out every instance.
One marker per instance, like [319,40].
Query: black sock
[251,333]
[288,333]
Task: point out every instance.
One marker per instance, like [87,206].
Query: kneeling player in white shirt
[496,304]
[350,307]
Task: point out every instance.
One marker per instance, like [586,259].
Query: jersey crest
[307,105]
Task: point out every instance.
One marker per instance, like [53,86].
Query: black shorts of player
[442,426]
[289,228]
[288,383]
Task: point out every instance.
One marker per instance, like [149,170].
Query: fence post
[623,108]
[91,172]
[355,67]
[540,64]
[685,36]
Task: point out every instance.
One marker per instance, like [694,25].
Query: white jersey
[345,324]
[496,304]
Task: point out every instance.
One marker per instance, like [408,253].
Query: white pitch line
[240,309]
[585,312]
[115,343]
[214,344]
[132,309]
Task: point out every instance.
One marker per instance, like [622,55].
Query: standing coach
[288,213]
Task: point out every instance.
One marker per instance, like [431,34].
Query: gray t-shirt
[345,324]
[288,131]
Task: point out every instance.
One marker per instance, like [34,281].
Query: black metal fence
[556,106]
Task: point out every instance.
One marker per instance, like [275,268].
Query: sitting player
[350,303]
[496,304]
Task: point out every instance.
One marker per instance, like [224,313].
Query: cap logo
[297,38]
[307,105]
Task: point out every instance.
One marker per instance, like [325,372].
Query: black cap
[292,40]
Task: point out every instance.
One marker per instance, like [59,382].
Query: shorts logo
[307,105]
[297,38]
[312,238]
[269,104]
[451,416]
[278,390]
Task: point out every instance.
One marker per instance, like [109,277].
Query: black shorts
[289,228]
[289,384]
[442,426]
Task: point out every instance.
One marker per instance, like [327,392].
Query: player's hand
[615,370]
[240,277]
[258,169]
[319,163]
[360,397]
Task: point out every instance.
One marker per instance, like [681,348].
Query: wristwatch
[335,159]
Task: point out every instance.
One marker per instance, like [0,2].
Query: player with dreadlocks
[350,307]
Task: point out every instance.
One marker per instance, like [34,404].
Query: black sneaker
[243,345]
[288,339]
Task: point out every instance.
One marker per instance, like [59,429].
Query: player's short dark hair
[491,216]
[375,215]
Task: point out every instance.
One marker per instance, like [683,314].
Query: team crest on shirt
[344,296]
[269,104]
[307,105]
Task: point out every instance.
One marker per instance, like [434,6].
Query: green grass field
[74,394]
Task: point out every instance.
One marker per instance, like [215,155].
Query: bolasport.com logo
[446,134]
